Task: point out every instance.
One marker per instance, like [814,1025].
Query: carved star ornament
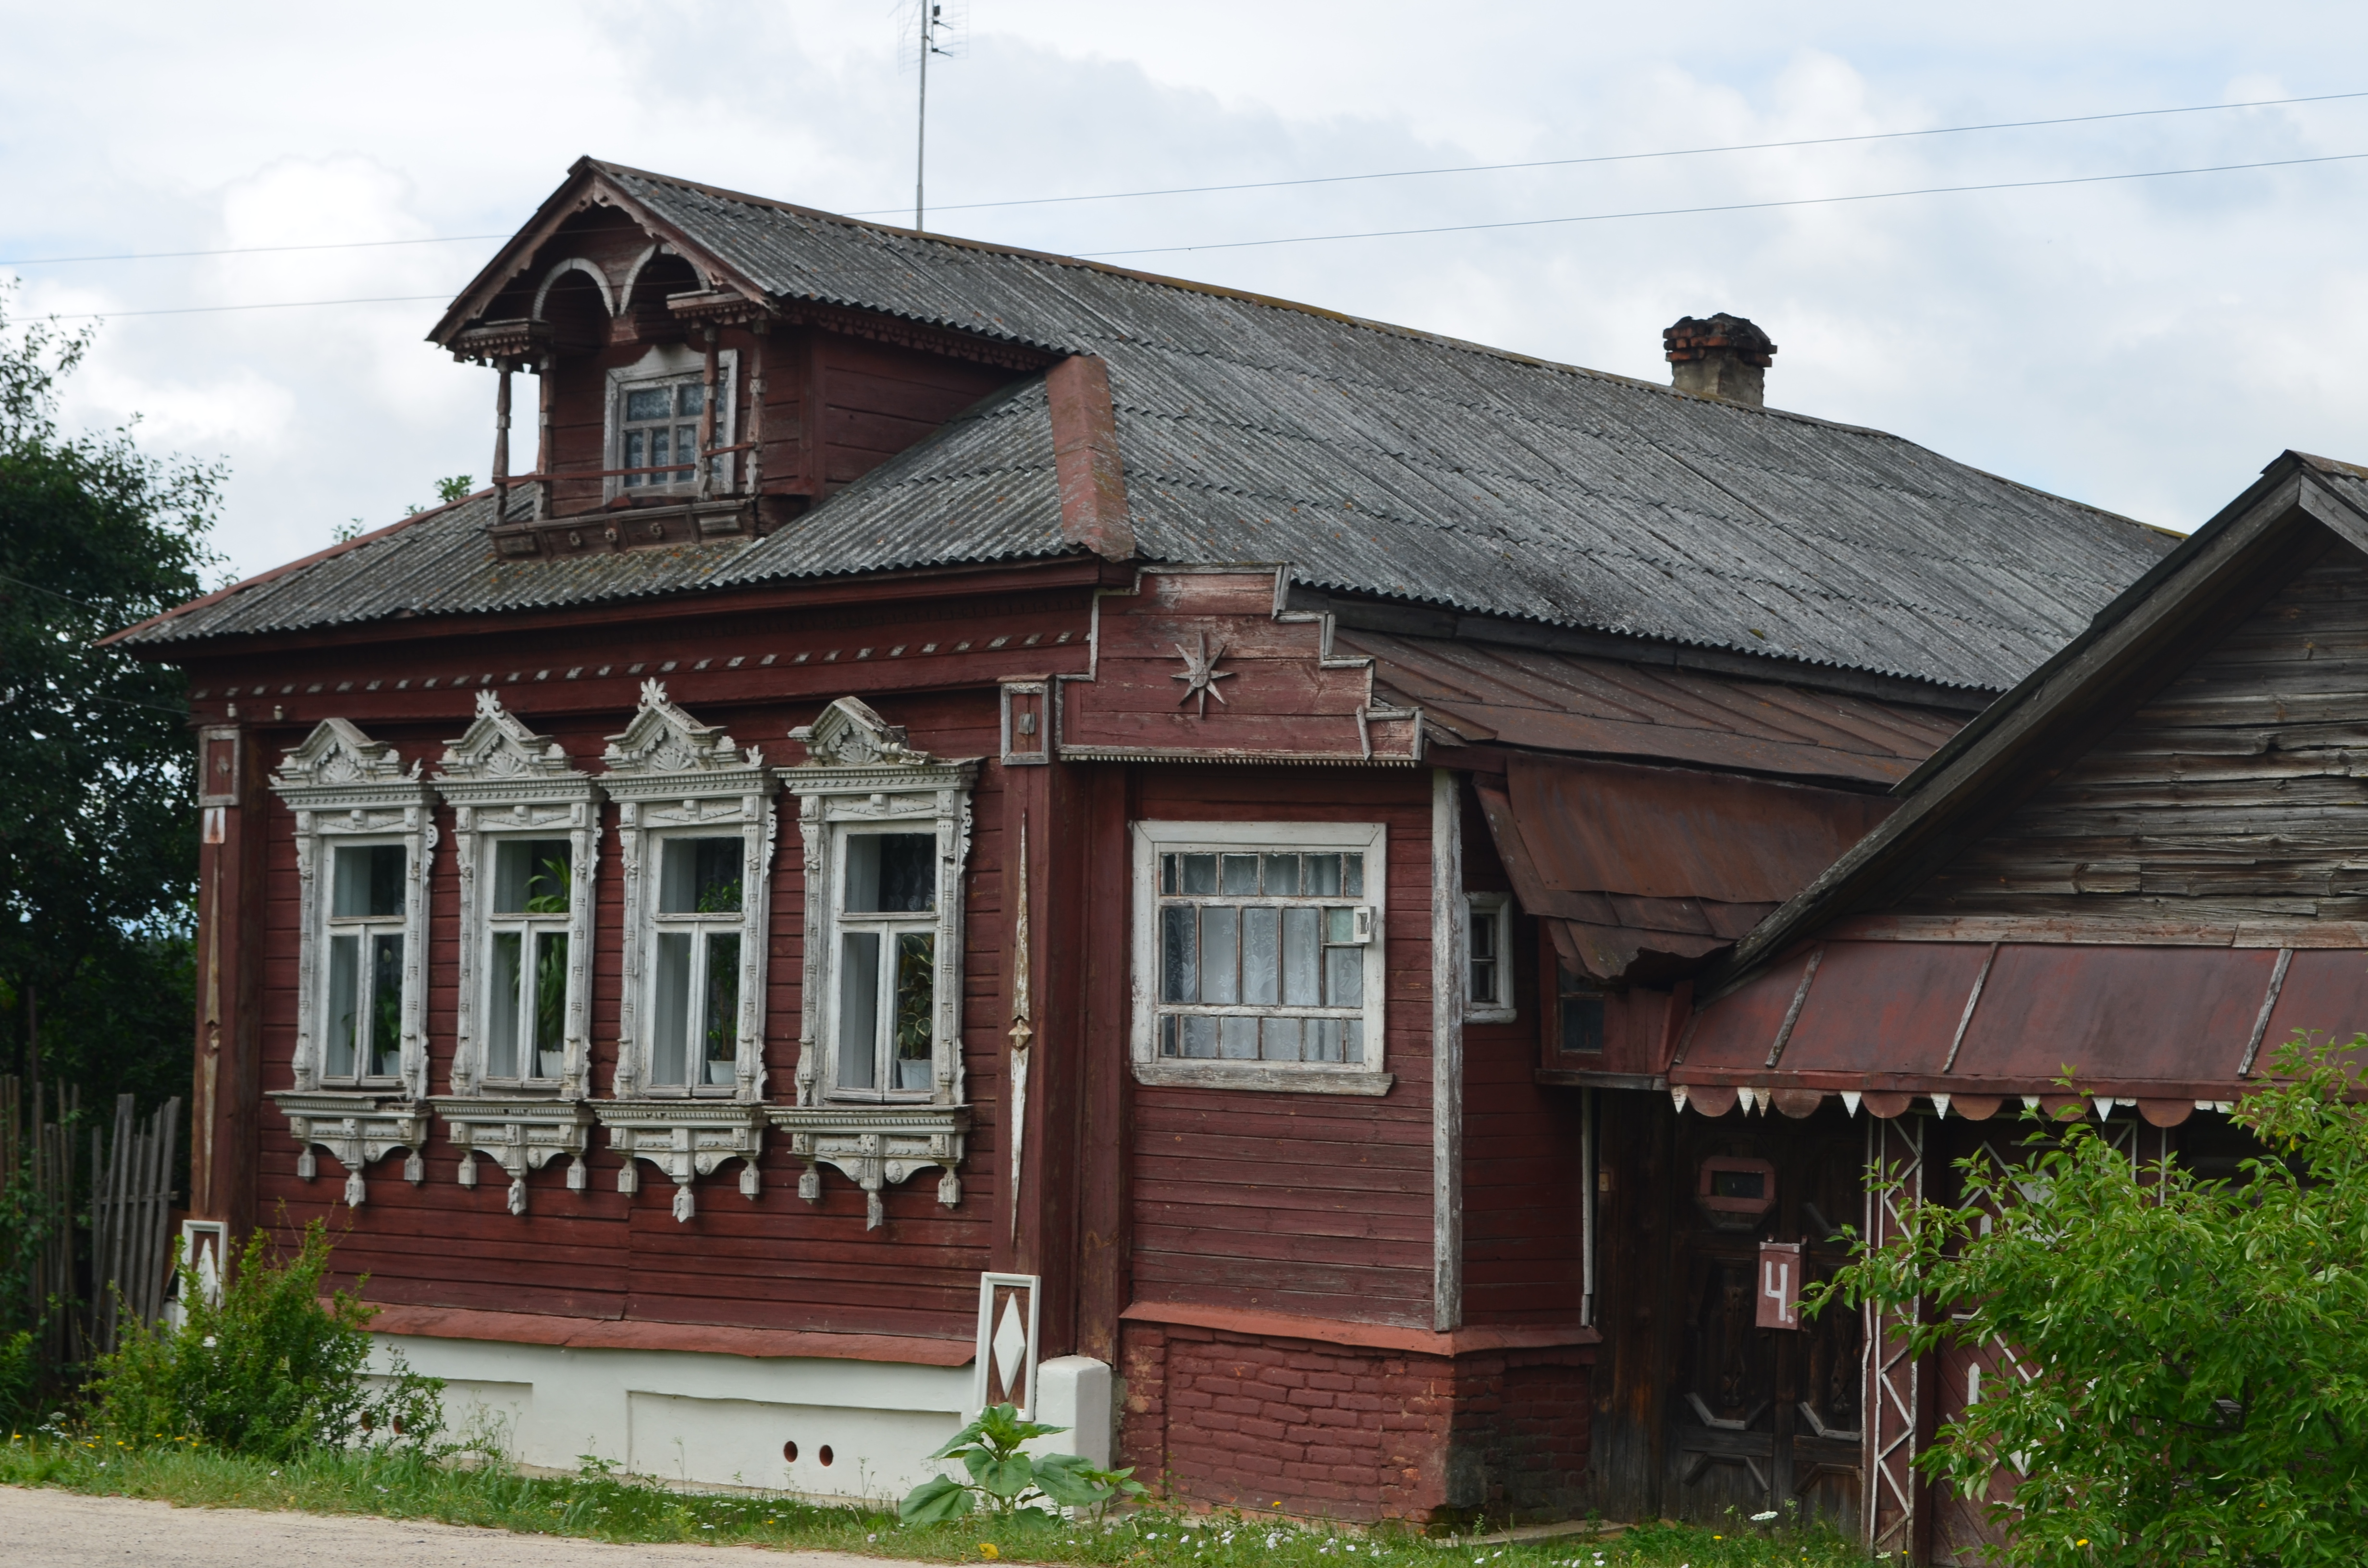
[1201,674]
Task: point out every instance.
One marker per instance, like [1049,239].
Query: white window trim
[1503,1008]
[669,773]
[344,787]
[670,362]
[1152,838]
[861,773]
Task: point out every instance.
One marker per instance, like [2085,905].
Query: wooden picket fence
[82,1299]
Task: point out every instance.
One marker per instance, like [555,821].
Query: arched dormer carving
[573,264]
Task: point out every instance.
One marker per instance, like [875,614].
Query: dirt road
[41,1529]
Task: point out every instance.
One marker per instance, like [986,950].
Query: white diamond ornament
[1010,1349]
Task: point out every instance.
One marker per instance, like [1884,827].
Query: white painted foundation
[693,1416]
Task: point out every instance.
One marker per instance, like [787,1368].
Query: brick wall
[1226,1420]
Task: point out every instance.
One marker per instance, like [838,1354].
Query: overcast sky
[2145,345]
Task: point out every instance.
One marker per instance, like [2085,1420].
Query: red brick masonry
[1224,1418]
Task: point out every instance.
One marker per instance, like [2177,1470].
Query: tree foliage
[2189,1376]
[98,836]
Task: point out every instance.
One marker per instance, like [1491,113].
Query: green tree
[2189,1377]
[97,834]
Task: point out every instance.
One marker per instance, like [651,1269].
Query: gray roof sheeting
[1371,458]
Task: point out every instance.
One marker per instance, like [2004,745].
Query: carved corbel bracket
[687,1139]
[518,1134]
[876,1147]
[357,1129]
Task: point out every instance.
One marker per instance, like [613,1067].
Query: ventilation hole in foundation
[789,1452]
[823,1453]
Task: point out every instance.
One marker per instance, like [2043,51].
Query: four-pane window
[696,1020]
[886,991]
[526,1014]
[367,906]
[1261,955]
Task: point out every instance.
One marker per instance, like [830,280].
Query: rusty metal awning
[1974,1025]
[1640,870]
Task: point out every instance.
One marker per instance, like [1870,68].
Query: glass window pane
[1299,954]
[685,443]
[1582,1023]
[1353,1040]
[633,458]
[367,881]
[692,395]
[1483,983]
[344,983]
[670,1010]
[1168,873]
[1283,876]
[1237,1038]
[660,445]
[859,1009]
[646,403]
[1199,873]
[386,1002]
[1483,934]
[1220,925]
[1179,979]
[1200,1035]
[1168,1035]
[915,1001]
[1323,876]
[891,872]
[1239,874]
[502,1007]
[1261,954]
[699,876]
[1344,977]
[532,876]
[1339,924]
[1282,1039]
[1323,1039]
[1352,875]
[550,1003]
[720,1007]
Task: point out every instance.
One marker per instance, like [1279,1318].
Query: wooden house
[2139,872]
[971,799]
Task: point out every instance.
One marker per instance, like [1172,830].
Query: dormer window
[655,409]
[659,424]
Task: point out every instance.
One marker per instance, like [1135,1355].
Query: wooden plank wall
[2234,793]
[1318,1205]
[776,1263]
[1523,1175]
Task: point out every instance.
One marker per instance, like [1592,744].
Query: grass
[600,1505]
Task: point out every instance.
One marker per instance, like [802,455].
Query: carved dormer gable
[337,755]
[499,747]
[849,735]
[664,739]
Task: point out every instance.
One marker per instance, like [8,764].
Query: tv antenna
[928,28]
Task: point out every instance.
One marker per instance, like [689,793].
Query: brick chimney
[1720,355]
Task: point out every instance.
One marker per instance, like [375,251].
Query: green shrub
[2190,1373]
[274,1371]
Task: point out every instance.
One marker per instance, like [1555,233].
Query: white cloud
[2144,345]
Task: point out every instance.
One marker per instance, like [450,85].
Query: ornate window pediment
[365,832]
[886,829]
[695,838]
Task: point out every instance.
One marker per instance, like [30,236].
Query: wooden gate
[1762,1419]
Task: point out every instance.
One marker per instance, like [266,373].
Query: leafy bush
[2191,1378]
[274,1371]
[1006,1480]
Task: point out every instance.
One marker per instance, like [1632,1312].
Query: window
[362,1033]
[1260,946]
[885,995]
[657,426]
[526,959]
[695,961]
[1488,977]
[1579,1013]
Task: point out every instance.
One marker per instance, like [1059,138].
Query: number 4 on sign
[1780,1285]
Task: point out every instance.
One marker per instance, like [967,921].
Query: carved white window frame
[345,788]
[1152,839]
[861,773]
[504,782]
[670,775]
[672,363]
[1497,910]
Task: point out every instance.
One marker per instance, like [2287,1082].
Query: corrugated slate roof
[1373,460]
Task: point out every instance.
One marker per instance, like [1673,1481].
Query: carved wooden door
[1763,1419]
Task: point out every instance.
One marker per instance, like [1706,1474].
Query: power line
[248,250]
[1628,157]
[266,305]
[1725,207]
